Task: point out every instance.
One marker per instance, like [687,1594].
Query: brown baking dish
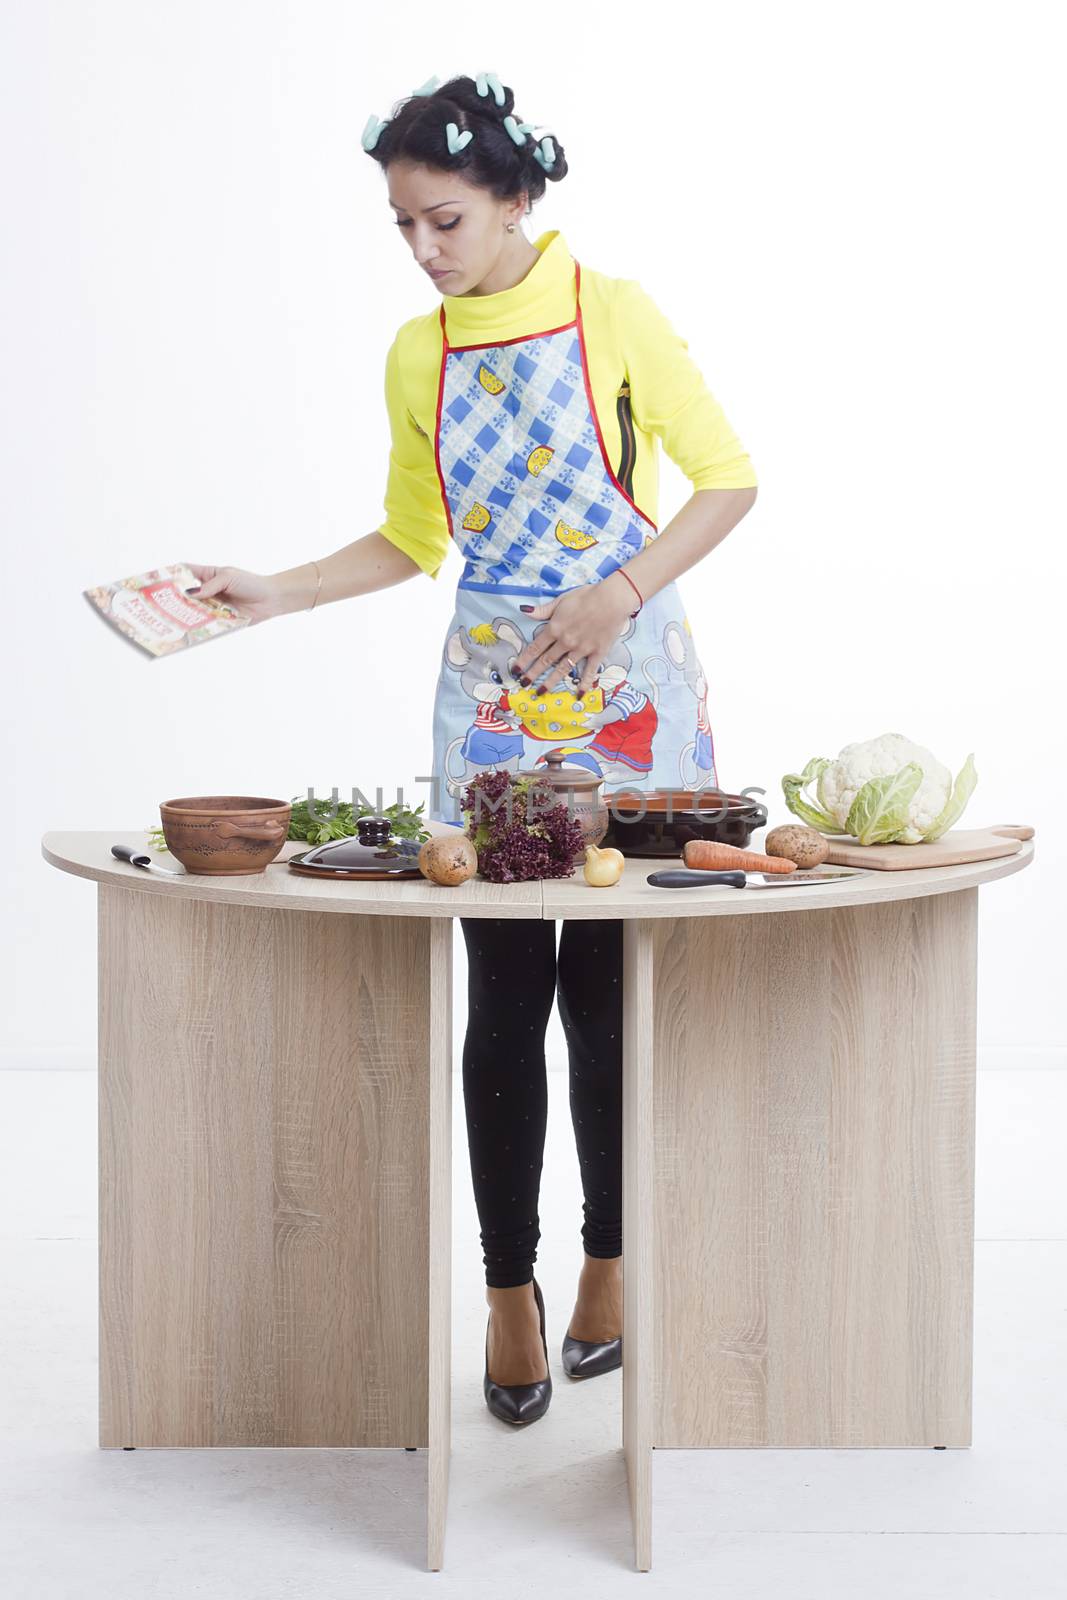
[225,834]
[659,822]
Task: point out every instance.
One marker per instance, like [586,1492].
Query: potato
[793,841]
[448,861]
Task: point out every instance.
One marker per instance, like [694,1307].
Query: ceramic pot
[580,788]
[225,834]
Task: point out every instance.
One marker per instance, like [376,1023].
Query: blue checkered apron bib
[536,509]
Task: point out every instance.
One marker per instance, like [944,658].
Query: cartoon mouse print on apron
[536,509]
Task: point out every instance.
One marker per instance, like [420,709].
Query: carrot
[709,854]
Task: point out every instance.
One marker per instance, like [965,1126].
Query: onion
[603,867]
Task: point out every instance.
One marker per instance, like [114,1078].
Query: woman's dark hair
[492,159]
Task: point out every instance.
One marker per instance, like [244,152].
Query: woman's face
[456,231]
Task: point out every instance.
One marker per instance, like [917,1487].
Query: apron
[536,509]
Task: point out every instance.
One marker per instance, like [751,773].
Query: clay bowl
[225,834]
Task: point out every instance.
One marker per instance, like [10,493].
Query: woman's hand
[254,594]
[584,622]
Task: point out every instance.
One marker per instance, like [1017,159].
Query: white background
[852,213]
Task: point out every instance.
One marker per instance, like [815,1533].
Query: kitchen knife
[689,877]
[780,880]
[137,858]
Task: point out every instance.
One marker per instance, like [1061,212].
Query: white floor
[541,1509]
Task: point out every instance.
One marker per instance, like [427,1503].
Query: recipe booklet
[154,612]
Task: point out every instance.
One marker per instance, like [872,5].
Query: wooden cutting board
[958,844]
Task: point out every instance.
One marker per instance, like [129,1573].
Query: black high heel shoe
[586,1358]
[519,1402]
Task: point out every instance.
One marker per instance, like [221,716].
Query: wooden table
[275,1158]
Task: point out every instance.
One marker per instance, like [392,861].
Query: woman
[524,414]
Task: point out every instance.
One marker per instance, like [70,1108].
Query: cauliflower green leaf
[793,786]
[880,810]
[962,790]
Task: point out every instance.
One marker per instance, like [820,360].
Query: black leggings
[513,978]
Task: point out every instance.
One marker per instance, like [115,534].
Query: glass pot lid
[370,850]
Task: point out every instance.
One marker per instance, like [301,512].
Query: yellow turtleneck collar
[543,299]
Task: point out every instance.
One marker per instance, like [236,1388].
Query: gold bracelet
[318,586]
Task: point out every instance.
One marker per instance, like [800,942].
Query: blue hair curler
[518,130]
[549,161]
[372,132]
[486,80]
[458,141]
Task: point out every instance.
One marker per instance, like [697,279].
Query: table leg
[638,1220]
[275,1187]
[809,1281]
[439,1387]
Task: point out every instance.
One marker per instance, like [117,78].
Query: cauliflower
[841,781]
[882,791]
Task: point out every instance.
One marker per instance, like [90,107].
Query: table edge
[550,900]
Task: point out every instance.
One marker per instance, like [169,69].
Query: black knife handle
[125,852]
[687,877]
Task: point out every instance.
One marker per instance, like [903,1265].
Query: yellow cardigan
[628,340]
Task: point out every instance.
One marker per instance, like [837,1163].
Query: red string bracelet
[634,587]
